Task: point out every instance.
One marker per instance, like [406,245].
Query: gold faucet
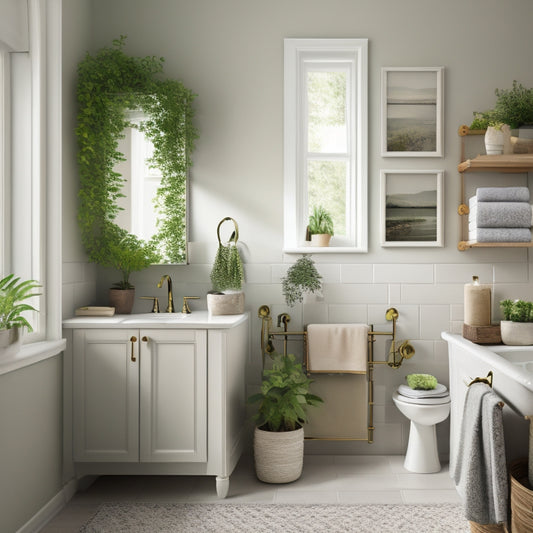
[186,309]
[170,307]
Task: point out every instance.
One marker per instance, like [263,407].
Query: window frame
[297,54]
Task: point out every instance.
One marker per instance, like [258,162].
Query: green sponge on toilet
[421,381]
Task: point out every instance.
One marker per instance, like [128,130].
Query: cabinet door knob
[133,340]
[145,339]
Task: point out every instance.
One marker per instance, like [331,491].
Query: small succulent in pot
[320,228]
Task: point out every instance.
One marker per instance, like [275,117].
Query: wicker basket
[278,455]
[521,498]
[486,528]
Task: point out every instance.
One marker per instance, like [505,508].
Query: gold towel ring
[234,236]
[488,380]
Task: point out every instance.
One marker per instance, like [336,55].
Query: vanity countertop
[194,320]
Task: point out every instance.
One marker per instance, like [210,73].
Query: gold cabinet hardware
[133,340]
[145,339]
[185,309]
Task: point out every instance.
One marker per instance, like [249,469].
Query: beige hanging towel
[337,347]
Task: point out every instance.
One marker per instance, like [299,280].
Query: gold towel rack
[397,354]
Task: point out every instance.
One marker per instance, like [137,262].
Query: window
[325,140]
[30,146]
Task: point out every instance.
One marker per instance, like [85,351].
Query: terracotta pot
[122,300]
[320,239]
[278,455]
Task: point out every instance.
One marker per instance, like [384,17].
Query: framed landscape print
[411,208]
[411,111]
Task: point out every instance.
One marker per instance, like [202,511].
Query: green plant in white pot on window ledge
[13,293]
[517,325]
[279,433]
[320,226]
[227,276]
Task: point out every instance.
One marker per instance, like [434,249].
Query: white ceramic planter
[278,455]
[517,333]
[10,341]
[231,303]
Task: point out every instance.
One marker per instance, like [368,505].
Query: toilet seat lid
[422,401]
[438,392]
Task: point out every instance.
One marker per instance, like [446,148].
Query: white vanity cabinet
[155,395]
[140,395]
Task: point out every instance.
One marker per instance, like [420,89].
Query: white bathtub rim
[488,355]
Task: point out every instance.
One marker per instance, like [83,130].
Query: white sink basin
[155,318]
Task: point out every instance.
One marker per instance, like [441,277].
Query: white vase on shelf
[494,140]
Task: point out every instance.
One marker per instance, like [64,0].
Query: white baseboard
[50,509]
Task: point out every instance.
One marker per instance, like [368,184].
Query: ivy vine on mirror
[119,93]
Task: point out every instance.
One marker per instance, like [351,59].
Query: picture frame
[412,111]
[412,208]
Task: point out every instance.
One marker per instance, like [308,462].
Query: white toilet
[424,413]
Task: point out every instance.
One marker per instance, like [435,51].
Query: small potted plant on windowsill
[227,276]
[320,227]
[517,326]
[279,433]
[13,292]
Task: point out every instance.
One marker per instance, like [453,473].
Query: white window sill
[32,353]
[323,250]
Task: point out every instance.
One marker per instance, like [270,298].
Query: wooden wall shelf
[507,164]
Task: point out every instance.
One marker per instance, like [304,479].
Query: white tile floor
[325,479]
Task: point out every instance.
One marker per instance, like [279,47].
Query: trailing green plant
[227,272]
[517,310]
[320,221]
[301,277]
[12,293]
[111,83]
[284,395]
[513,107]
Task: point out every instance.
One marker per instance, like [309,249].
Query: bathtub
[512,368]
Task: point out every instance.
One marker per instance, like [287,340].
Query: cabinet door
[106,395]
[173,396]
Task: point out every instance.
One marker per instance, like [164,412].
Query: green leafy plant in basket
[13,292]
[301,277]
[284,396]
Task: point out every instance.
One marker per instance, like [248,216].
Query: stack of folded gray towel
[500,214]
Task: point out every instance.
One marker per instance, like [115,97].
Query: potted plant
[127,254]
[227,276]
[517,326]
[302,277]
[13,292]
[279,433]
[320,226]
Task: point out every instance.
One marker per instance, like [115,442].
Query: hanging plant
[227,272]
[301,277]
[110,83]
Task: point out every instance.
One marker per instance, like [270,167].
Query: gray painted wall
[231,54]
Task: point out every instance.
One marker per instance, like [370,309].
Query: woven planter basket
[486,528]
[521,498]
[278,455]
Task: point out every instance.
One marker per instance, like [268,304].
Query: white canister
[477,302]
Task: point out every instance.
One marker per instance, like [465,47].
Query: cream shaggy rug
[273,518]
